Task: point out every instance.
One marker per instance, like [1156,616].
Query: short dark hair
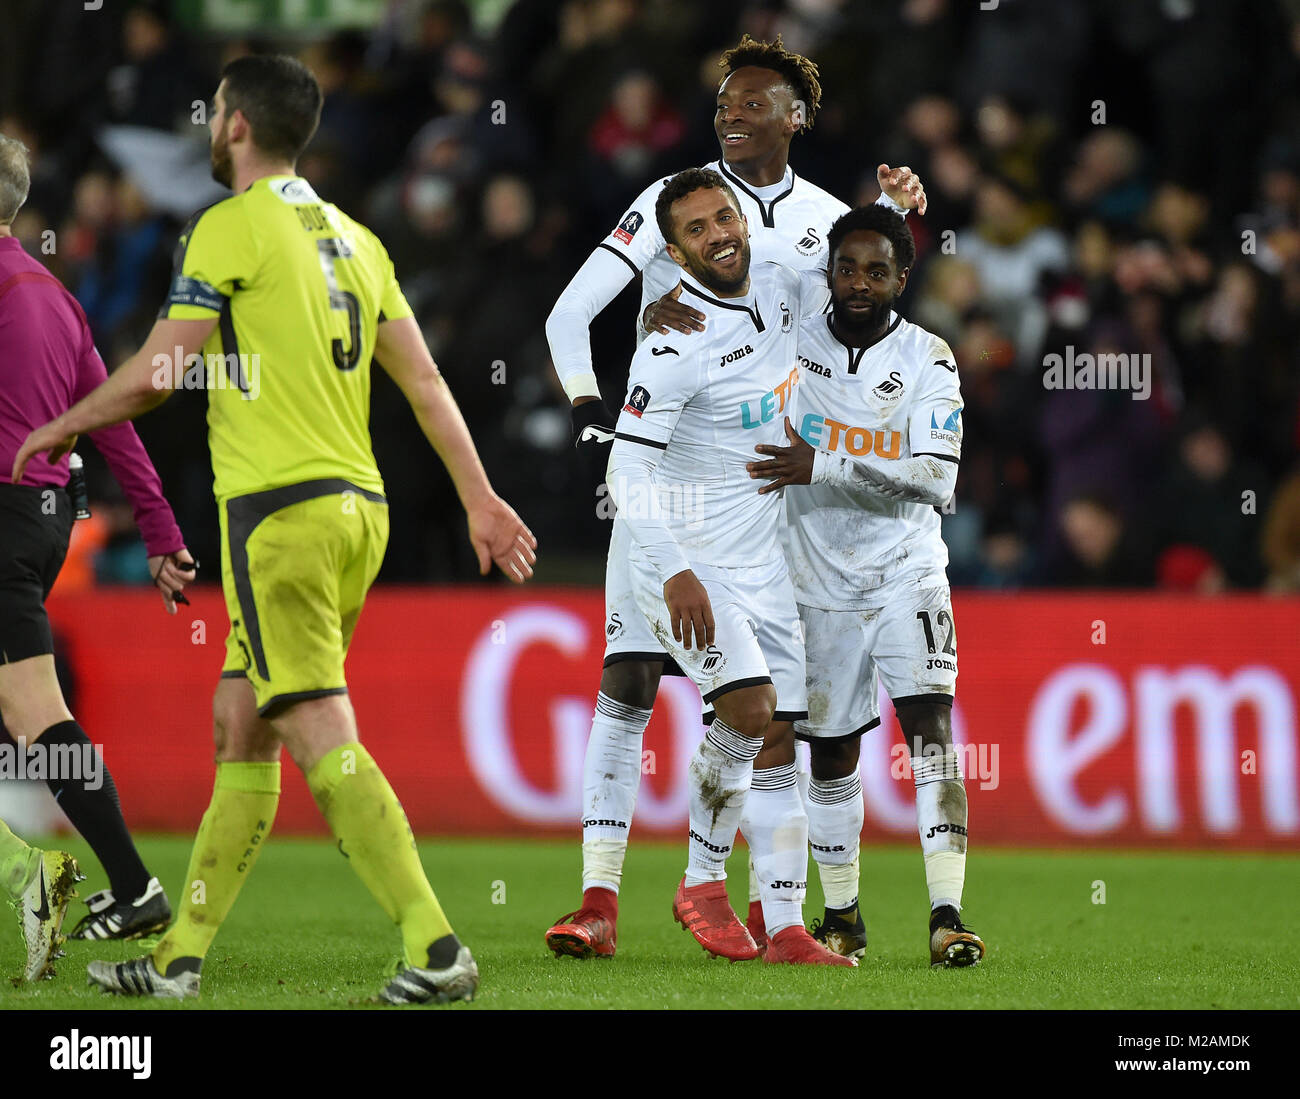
[800,73]
[280,98]
[683,184]
[877,219]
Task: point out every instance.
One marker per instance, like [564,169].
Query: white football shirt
[788,222]
[706,400]
[899,398]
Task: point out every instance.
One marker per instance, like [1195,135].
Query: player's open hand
[689,609]
[171,572]
[49,438]
[668,313]
[903,186]
[498,534]
[789,465]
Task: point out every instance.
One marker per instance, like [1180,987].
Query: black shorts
[35,524]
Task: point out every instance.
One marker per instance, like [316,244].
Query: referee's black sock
[95,813]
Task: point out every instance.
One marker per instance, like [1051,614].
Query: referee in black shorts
[48,362]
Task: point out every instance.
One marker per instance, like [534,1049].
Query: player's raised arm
[495,531]
[613,263]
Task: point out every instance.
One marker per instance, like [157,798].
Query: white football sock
[778,830]
[719,778]
[941,821]
[835,817]
[611,776]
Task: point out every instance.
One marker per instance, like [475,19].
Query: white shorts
[909,641]
[627,633]
[757,636]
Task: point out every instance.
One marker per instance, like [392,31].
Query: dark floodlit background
[1105,176]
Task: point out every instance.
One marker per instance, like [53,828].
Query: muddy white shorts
[909,642]
[757,634]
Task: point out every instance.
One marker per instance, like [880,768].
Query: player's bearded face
[723,265]
[862,310]
[712,239]
[223,169]
[865,282]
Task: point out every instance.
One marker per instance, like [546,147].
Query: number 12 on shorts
[941,619]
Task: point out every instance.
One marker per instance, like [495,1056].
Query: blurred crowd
[1104,178]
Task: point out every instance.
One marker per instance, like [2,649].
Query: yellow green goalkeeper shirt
[299,289]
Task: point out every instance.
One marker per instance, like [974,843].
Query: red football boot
[589,932]
[794,946]
[707,914]
[756,926]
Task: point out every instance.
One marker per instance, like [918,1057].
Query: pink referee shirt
[48,362]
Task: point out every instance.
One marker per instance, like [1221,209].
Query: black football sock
[95,812]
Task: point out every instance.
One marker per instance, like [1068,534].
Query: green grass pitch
[1175,931]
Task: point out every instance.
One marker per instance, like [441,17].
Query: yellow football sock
[368,820]
[234,829]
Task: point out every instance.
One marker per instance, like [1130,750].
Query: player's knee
[749,710]
[925,725]
[832,759]
[632,682]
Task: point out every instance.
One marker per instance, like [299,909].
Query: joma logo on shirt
[769,405]
[816,368]
[822,431]
[739,353]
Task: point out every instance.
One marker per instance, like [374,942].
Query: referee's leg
[245,796]
[33,710]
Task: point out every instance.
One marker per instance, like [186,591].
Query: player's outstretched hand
[498,534]
[171,572]
[46,438]
[689,609]
[903,186]
[789,465]
[668,313]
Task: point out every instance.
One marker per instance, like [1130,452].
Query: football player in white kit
[708,575]
[877,442]
[767,96]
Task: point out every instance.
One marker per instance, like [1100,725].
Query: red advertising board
[1085,720]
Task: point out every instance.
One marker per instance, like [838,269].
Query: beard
[862,323]
[717,281]
[223,169]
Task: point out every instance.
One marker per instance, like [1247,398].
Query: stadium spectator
[1282,537]
[1101,550]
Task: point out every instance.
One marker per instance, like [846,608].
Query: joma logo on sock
[957,828]
[788,885]
[95,1052]
[819,847]
[592,822]
[705,843]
